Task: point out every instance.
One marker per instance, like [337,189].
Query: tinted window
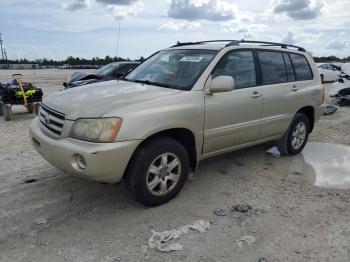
[289,67]
[273,69]
[301,66]
[240,65]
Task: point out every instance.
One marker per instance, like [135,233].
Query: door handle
[295,88]
[256,95]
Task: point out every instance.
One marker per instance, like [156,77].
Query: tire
[322,79]
[1,111]
[36,108]
[294,140]
[140,179]
[7,113]
[30,108]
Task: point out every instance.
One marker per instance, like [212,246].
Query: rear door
[233,118]
[279,89]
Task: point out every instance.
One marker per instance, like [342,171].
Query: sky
[56,29]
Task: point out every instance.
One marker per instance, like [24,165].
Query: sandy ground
[87,221]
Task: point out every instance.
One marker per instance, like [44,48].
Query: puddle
[320,164]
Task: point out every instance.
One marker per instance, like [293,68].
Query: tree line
[72,61]
[108,59]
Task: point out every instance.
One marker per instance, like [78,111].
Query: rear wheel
[7,113]
[294,140]
[1,112]
[157,171]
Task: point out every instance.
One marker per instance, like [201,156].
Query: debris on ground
[247,211]
[329,110]
[262,259]
[273,151]
[161,240]
[220,212]
[245,239]
[31,180]
[243,208]
[42,220]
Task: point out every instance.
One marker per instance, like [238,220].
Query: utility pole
[118,40]
[2,51]
[6,58]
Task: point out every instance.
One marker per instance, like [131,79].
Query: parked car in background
[182,105]
[328,72]
[111,71]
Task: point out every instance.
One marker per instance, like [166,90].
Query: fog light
[78,162]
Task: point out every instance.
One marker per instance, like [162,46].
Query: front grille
[51,119]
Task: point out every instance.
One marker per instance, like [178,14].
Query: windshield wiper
[147,82]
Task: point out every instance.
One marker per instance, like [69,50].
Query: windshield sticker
[193,59]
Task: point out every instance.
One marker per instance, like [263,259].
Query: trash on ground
[247,212]
[32,180]
[245,239]
[329,110]
[42,220]
[243,208]
[273,151]
[161,240]
[220,212]
[262,259]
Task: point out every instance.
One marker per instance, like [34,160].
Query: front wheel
[294,140]
[157,171]
[7,113]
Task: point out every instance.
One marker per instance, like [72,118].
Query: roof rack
[238,42]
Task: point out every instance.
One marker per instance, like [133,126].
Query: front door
[233,118]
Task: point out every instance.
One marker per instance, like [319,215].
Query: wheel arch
[184,136]
[309,111]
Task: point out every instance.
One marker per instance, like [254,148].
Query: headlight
[101,130]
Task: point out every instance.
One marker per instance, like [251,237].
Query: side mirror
[221,84]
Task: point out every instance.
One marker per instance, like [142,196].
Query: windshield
[178,69]
[107,70]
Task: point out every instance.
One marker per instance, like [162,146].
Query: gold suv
[183,104]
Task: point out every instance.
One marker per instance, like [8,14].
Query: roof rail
[237,42]
[198,43]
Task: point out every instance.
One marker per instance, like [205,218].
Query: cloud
[289,38]
[211,10]
[181,25]
[75,5]
[121,11]
[298,9]
[116,2]
[338,45]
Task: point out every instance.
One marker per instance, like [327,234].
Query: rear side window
[289,67]
[301,67]
[240,65]
[273,69]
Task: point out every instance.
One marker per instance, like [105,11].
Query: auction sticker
[193,59]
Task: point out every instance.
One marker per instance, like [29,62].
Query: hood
[82,76]
[95,100]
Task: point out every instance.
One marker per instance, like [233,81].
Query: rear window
[289,67]
[273,69]
[301,66]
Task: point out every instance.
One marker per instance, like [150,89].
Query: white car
[328,72]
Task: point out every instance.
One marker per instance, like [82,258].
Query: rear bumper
[104,162]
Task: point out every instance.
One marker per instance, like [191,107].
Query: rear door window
[289,67]
[272,66]
[302,68]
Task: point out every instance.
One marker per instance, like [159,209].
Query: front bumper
[104,162]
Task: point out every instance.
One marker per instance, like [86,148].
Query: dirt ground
[58,217]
